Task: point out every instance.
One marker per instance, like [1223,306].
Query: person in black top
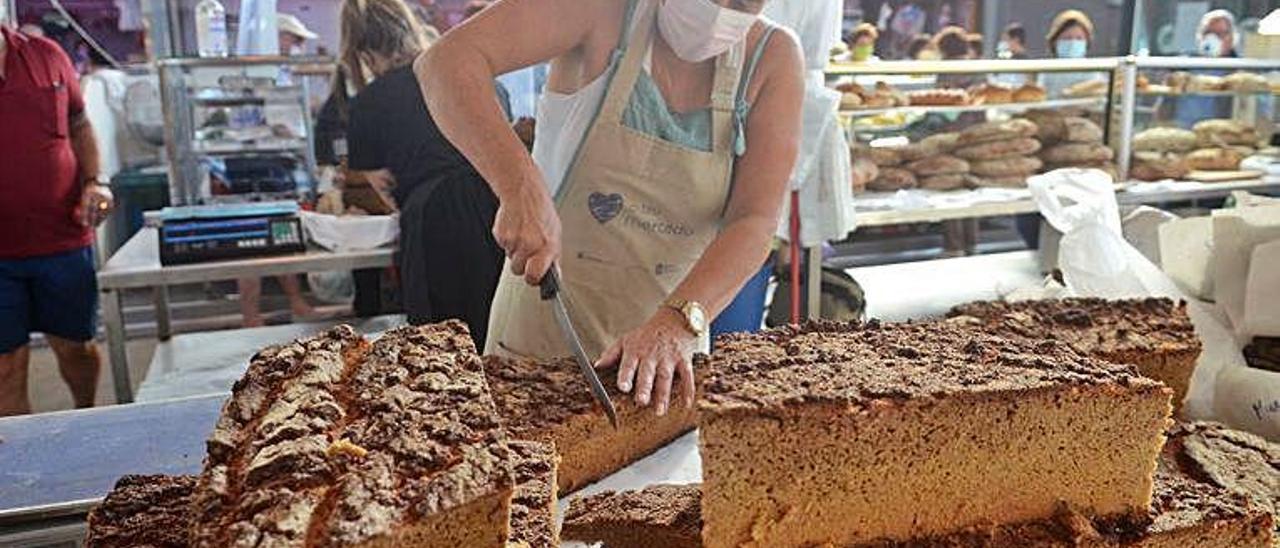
[449,261]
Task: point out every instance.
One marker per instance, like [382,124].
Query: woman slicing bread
[666,136]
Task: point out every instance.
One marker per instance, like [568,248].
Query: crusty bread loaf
[1029,93]
[1051,125]
[939,97]
[1087,88]
[949,181]
[917,151]
[331,441]
[839,434]
[997,131]
[1165,139]
[658,516]
[1246,82]
[999,149]
[941,164]
[1082,130]
[1205,82]
[1214,159]
[549,401]
[1158,166]
[1225,132]
[893,179]
[991,94]
[1073,154]
[942,142]
[533,503]
[143,511]
[1154,335]
[880,156]
[1211,490]
[1011,166]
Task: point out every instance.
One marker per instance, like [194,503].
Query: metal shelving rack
[189,84]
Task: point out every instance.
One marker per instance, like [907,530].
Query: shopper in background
[293,34]
[976,47]
[669,164]
[1012,45]
[1215,37]
[53,197]
[449,260]
[1069,37]
[953,44]
[1013,42]
[862,43]
[921,48]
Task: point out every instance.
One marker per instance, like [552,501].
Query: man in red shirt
[50,200]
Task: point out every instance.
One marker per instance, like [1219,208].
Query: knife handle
[550,284]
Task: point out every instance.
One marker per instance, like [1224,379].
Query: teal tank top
[647,111]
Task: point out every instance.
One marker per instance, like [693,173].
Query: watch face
[697,319]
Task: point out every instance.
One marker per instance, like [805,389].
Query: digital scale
[193,234]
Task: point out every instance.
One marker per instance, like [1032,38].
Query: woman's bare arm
[456,75]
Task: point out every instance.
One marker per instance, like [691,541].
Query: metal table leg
[160,298]
[814,283]
[117,353]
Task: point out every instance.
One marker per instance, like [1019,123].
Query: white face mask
[698,30]
[1210,45]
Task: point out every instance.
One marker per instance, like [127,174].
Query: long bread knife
[551,291]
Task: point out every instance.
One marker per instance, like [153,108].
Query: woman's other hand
[653,358]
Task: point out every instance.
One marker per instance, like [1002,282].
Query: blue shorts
[53,294]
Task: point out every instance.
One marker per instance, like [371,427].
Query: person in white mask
[1215,37]
[665,141]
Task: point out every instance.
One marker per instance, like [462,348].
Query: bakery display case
[964,134]
[941,140]
[1199,119]
[239,129]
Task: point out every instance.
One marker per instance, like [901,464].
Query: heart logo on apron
[604,207]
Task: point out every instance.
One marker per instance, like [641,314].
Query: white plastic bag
[1097,262]
[1093,255]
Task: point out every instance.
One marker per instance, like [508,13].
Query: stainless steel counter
[61,464]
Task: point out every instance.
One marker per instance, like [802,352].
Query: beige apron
[637,212]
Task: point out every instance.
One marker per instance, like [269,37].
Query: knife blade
[550,290]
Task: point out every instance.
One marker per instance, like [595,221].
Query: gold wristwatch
[695,317]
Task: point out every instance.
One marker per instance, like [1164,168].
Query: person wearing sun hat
[1069,37]
[293,34]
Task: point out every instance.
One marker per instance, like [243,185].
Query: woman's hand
[528,228]
[653,356]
